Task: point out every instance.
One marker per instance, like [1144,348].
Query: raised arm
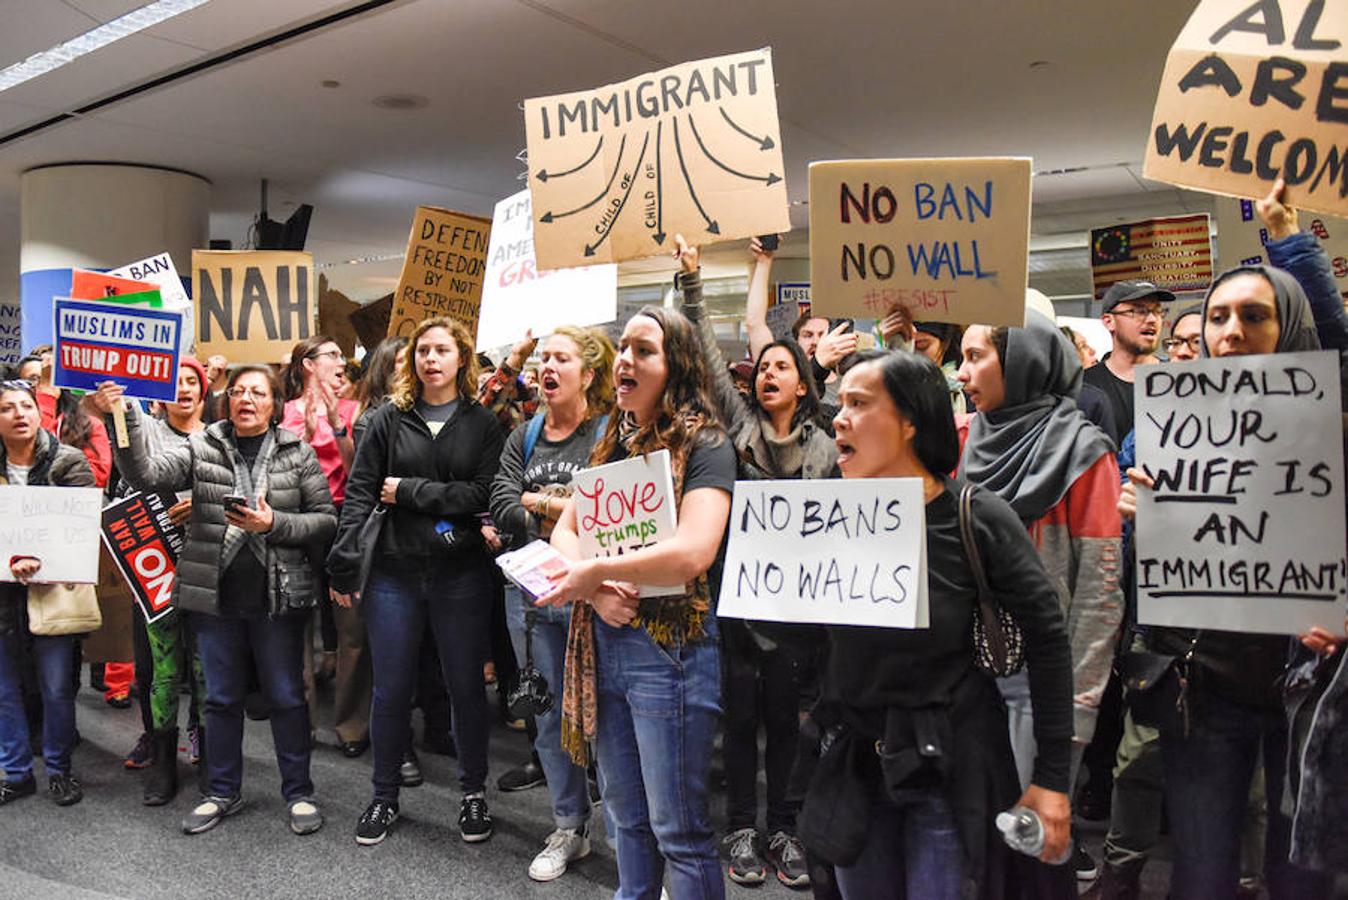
[756,307]
[730,404]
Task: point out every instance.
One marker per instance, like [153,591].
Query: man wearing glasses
[1134,315]
[1186,335]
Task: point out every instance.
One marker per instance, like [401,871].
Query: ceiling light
[401,101]
[147,16]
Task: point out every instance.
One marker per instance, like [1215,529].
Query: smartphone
[770,242]
[233,502]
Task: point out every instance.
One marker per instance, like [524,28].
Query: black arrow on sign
[544,175]
[678,149]
[764,142]
[659,236]
[636,170]
[549,216]
[769,178]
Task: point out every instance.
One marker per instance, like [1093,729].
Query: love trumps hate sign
[947,238]
[624,506]
[838,552]
[1244,529]
[1253,91]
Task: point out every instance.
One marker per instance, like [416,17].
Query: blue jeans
[55,659]
[276,648]
[454,601]
[1207,786]
[914,850]
[566,780]
[658,713]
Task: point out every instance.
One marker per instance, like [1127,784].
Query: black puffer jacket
[56,464]
[445,477]
[297,491]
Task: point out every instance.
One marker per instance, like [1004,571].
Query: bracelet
[547,506]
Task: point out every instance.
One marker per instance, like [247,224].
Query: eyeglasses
[250,392]
[335,354]
[1141,314]
[1193,343]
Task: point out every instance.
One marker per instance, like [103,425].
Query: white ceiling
[856,78]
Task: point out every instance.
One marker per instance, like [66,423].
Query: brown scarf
[676,621]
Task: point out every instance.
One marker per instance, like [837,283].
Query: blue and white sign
[97,342]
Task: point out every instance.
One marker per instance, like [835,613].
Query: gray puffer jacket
[297,491]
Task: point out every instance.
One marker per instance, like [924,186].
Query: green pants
[172,651]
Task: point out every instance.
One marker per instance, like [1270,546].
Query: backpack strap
[532,431]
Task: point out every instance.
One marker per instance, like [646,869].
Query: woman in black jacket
[925,829]
[428,457]
[261,514]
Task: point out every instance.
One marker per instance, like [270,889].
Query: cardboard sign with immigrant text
[836,552]
[144,543]
[948,238]
[58,525]
[518,295]
[443,270]
[135,347]
[1244,529]
[1252,92]
[694,149]
[1174,253]
[252,306]
[624,506]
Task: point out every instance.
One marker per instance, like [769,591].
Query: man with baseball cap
[1134,315]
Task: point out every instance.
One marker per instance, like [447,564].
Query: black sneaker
[17,790]
[521,778]
[787,856]
[1084,864]
[64,790]
[374,823]
[474,820]
[740,848]
[410,770]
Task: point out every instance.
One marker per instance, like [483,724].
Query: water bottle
[1023,832]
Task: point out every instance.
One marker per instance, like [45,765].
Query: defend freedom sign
[694,149]
[623,506]
[518,295]
[98,341]
[1253,91]
[948,238]
[253,305]
[837,552]
[144,544]
[1174,253]
[1244,530]
[443,270]
[58,525]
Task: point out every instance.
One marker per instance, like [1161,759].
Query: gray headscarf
[1296,324]
[1034,447]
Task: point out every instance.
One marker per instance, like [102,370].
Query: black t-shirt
[1120,395]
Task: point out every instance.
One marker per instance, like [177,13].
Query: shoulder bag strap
[987,610]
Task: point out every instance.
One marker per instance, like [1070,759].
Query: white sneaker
[564,845]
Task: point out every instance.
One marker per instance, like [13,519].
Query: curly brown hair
[406,385]
[686,408]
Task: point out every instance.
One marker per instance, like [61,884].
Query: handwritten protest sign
[694,149]
[948,238]
[145,544]
[11,341]
[1174,253]
[836,552]
[626,505]
[97,341]
[1241,238]
[253,305]
[58,525]
[443,270]
[159,271]
[1244,530]
[1254,91]
[518,295]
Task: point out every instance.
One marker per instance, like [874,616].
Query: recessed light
[330,83]
[1039,64]
[147,16]
[401,101]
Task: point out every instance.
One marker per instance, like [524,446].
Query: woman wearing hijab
[1031,445]
[1234,703]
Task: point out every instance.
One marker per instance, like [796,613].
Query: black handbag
[1156,685]
[367,540]
[999,647]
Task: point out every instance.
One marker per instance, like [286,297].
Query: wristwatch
[339,431]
